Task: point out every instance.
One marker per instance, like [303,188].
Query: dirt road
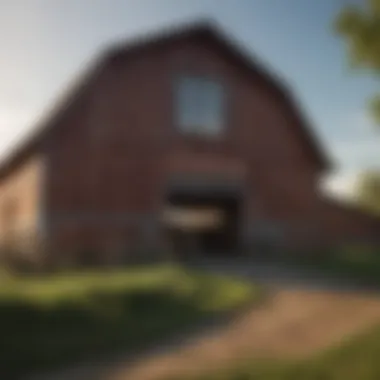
[294,324]
[296,321]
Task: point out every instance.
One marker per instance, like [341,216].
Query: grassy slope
[48,322]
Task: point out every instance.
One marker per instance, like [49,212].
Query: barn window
[200,105]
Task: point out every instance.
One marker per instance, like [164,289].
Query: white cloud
[341,184]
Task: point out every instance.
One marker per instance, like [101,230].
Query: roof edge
[203,26]
[30,143]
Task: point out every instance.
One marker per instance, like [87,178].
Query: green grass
[356,359]
[54,321]
[358,263]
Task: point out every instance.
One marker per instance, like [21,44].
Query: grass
[356,359]
[355,262]
[53,321]
[352,262]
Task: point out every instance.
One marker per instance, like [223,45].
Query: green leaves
[359,27]
[368,191]
[374,108]
[348,21]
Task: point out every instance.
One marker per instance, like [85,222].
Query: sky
[45,44]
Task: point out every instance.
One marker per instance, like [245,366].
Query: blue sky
[46,43]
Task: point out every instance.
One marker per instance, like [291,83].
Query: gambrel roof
[205,30]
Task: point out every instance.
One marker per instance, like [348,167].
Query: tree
[368,191]
[359,25]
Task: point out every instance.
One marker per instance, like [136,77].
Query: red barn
[184,119]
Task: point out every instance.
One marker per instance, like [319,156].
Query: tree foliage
[359,26]
[368,191]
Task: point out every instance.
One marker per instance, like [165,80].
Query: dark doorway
[209,224]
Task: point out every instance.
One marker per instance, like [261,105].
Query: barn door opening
[202,224]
